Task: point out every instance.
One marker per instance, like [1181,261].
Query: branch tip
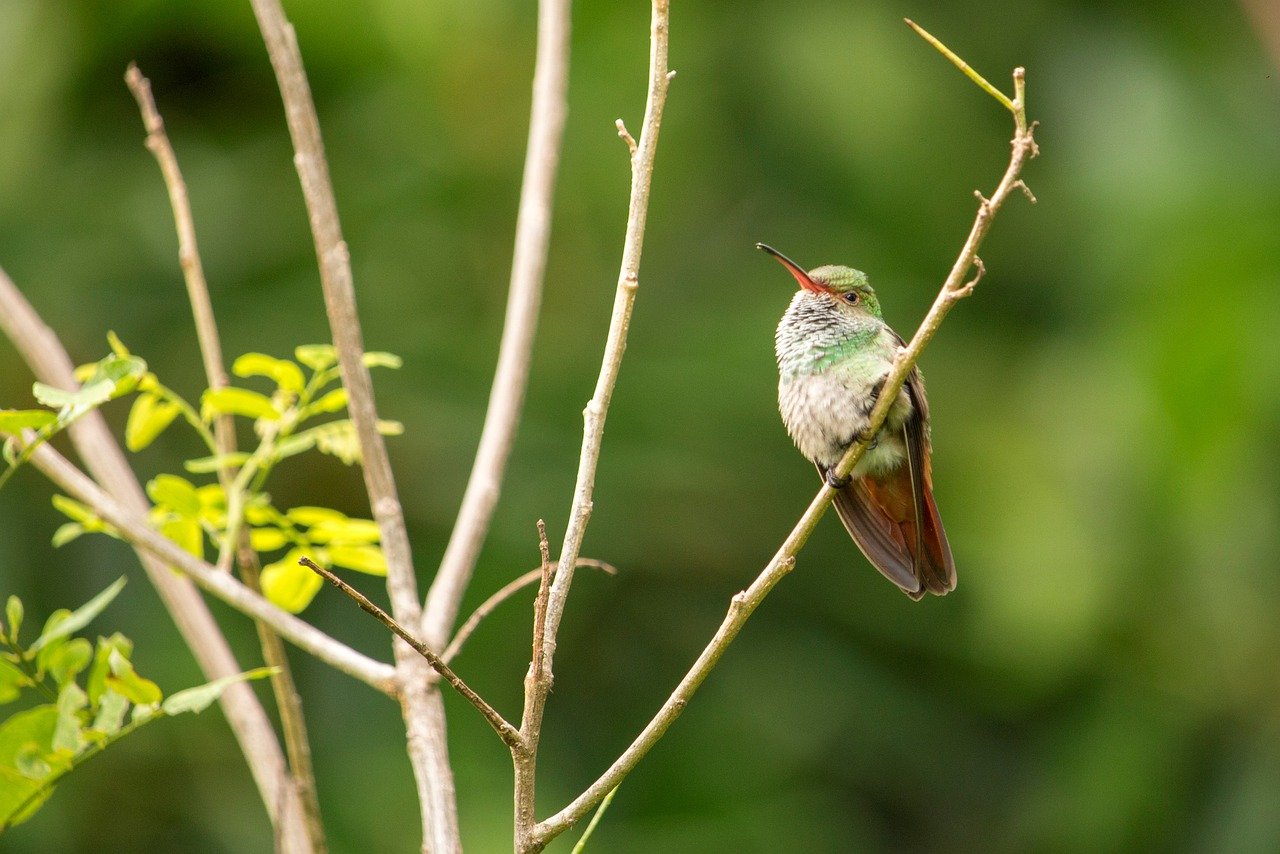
[965,67]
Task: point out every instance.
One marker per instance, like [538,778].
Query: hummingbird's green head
[847,288]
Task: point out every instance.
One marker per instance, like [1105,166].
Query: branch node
[626,137]
[1026,191]
[631,282]
[967,288]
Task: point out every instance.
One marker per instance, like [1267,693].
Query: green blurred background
[1106,408]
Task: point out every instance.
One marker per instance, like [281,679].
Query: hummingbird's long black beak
[796,270]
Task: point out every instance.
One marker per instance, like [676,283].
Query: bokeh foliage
[1105,408]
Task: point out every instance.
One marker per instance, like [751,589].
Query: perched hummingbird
[834,352]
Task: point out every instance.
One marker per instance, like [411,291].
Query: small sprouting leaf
[390,428]
[368,559]
[148,418]
[290,585]
[125,681]
[338,439]
[79,618]
[176,494]
[57,398]
[13,613]
[66,660]
[67,532]
[267,539]
[16,420]
[378,359]
[66,734]
[209,465]
[284,373]
[9,451]
[199,698]
[96,683]
[314,515]
[317,357]
[333,401]
[117,346]
[238,401]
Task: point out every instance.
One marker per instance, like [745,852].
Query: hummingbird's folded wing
[874,532]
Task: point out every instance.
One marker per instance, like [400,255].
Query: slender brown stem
[505,731]
[642,153]
[528,265]
[288,702]
[423,715]
[745,603]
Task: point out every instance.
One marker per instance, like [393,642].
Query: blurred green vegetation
[1106,408]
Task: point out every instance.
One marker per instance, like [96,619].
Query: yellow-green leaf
[348,532]
[267,539]
[334,401]
[148,418]
[314,515]
[284,373]
[317,357]
[367,559]
[187,533]
[16,420]
[238,401]
[128,684]
[290,585]
[382,360]
[176,494]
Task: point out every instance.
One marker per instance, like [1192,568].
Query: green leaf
[314,516]
[67,532]
[267,539]
[13,613]
[284,373]
[74,510]
[290,585]
[187,533]
[293,445]
[111,711]
[96,683]
[66,660]
[127,683]
[348,532]
[17,420]
[66,734]
[148,418]
[317,357]
[25,740]
[12,680]
[238,401]
[333,401]
[378,359]
[176,494]
[368,559]
[199,698]
[79,618]
[209,465]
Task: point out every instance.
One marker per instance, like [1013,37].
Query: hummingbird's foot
[837,483]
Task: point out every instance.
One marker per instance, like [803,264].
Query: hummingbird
[834,353]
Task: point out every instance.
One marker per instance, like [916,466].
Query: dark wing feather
[934,566]
[875,535]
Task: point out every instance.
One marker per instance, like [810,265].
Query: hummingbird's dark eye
[851,297]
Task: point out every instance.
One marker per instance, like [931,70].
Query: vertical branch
[422,709]
[40,348]
[538,684]
[528,265]
[642,158]
[288,702]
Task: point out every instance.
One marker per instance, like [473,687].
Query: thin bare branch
[288,702]
[528,835]
[423,715]
[528,266]
[745,603]
[40,348]
[504,593]
[540,602]
[505,731]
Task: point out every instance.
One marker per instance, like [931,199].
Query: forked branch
[745,603]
